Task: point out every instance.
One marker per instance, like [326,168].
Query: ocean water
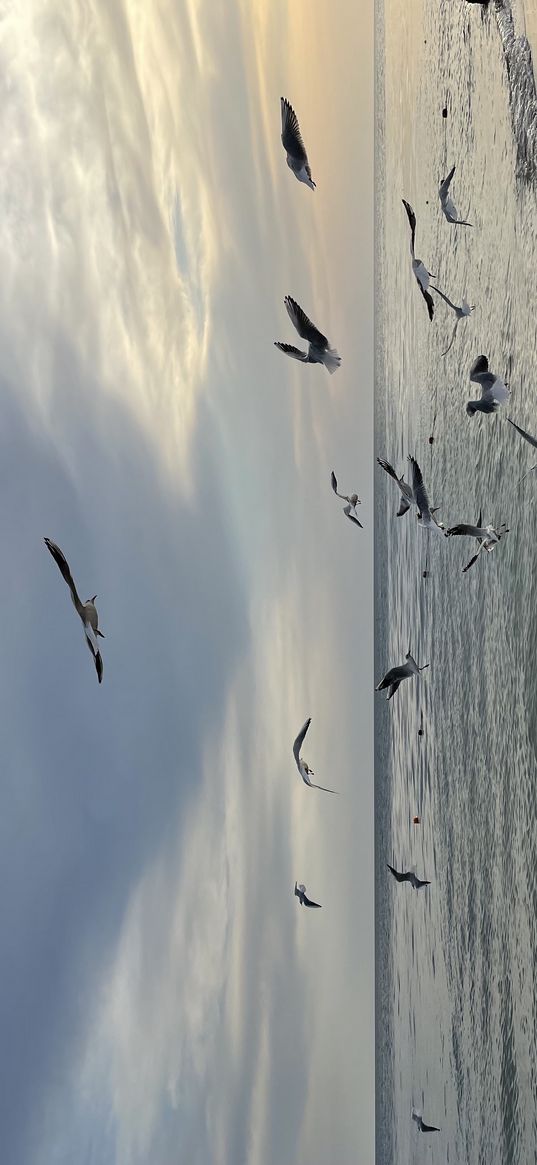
[455,962]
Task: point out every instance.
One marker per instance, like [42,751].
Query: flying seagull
[408,876]
[423,1128]
[300,893]
[406,491]
[297,158]
[448,205]
[426,518]
[302,766]
[87,611]
[460,312]
[319,351]
[493,390]
[353,501]
[420,271]
[396,675]
[531,441]
[487,537]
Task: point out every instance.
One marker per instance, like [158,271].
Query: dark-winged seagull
[423,276]
[302,766]
[297,158]
[319,351]
[300,893]
[423,1128]
[426,518]
[87,611]
[461,313]
[493,389]
[447,203]
[396,675]
[408,876]
[487,537]
[353,501]
[406,491]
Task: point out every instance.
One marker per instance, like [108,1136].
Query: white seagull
[487,537]
[406,491]
[460,312]
[353,501]
[87,611]
[423,276]
[426,518]
[302,766]
[408,876]
[493,390]
[297,158]
[319,351]
[396,675]
[531,441]
[300,893]
[448,205]
[423,1128]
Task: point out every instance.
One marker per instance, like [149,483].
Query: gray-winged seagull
[396,675]
[447,203]
[353,501]
[406,491]
[87,611]
[461,313]
[493,389]
[487,537]
[423,276]
[319,351]
[423,1128]
[302,766]
[297,158]
[426,518]
[300,893]
[408,876]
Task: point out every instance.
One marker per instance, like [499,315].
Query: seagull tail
[331,360]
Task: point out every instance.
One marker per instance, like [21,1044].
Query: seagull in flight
[408,876]
[447,203]
[531,441]
[426,518]
[319,351]
[423,1128]
[297,158]
[406,491]
[300,893]
[87,611]
[493,390]
[421,273]
[302,766]
[396,675]
[460,312]
[353,501]
[487,537]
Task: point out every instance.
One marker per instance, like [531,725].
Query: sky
[163,996]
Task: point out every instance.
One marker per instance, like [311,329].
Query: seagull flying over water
[461,313]
[87,611]
[406,491]
[531,441]
[426,518]
[300,893]
[493,390]
[421,273]
[297,158]
[353,502]
[448,205]
[408,876]
[302,766]
[487,537]
[396,675]
[423,1128]
[319,351]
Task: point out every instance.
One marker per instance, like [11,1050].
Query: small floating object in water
[426,574]
[444,111]
[416,820]
[431,440]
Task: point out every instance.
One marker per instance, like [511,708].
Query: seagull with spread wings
[447,203]
[408,876]
[319,351]
[493,389]
[395,676]
[87,611]
[300,893]
[297,158]
[353,501]
[406,491]
[301,764]
[426,518]
[461,313]
[423,1128]
[423,276]
[487,537]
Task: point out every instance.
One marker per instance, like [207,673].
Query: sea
[456,996]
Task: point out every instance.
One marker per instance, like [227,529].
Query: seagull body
[426,518]
[460,312]
[406,491]
[300,893]
[87,611]
[447,203]
[423,1128]
[421,273]
[493,389]
[297,158]
[487,537]
[396,675]
[319,351]
[531,441]
[408,876]
[302,766]
[353,501]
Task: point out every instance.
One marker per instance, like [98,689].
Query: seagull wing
[420,493]
[303,325]
[333,482]
[291,135]
[400,877]
[444,297]
[428,300]
[473,559]
[322,788]
[307,902]
[479,366]
[453,334]
[444,186]
[389,468]
[428,1128]
[527,436]
[347,512]
[469,531]
[61,562]
[300,740]
[498,390]
[97,658]
[290,350]
[412,220]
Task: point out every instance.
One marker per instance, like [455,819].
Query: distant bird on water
[493,390]
[87,611]
[423,1128]
[396,675]
[300,893]
[302,766]
[421,273]
[406,491]
[353,502]
[408,876]
[319,351]
[426,518]
[460,312]
[531,441]
[297,158]
[447,203]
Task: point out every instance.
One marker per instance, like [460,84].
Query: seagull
[408,876]
[87,611]
[303,768]
[426,518]
[319,351]
[420,271]
[423,1128]
[353,500]
[493,389]
[487,537]
[297,158]
[531,441]
[448,205]
[300,893]
[396,675]
[406,491]
[461,313]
